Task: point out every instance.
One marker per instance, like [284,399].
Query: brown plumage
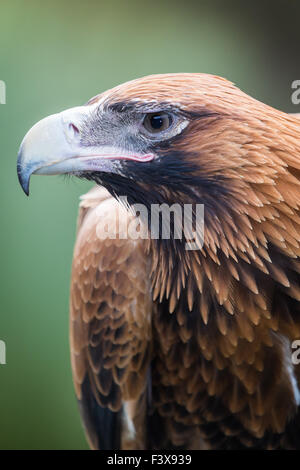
[175,348]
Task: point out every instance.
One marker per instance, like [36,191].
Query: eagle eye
[157,122]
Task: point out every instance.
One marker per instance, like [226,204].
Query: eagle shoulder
[110,324]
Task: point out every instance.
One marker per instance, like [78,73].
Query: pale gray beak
[54,146]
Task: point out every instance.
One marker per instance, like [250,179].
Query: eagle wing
[110,324]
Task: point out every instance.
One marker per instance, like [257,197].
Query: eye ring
[154,123]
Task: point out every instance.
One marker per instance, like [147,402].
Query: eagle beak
[54,146]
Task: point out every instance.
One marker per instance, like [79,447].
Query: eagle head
[160,135]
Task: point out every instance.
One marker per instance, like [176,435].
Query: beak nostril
[73,130]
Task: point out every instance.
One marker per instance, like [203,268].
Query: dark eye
[157,122]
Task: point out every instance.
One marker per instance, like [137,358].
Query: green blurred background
[55,55]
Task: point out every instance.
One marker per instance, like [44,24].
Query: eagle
[177,348]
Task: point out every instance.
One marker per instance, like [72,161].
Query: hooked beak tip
[23,175]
